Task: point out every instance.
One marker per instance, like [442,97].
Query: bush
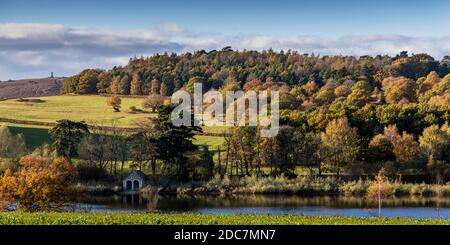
[8,165]
[39,184]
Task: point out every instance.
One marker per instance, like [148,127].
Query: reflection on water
[417,207]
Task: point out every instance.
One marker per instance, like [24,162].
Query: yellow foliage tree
[40,183]
[380,188]
[115,102]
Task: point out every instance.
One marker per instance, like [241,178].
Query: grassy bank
[304,185]
[18,218]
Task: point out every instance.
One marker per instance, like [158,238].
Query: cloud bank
[36,49]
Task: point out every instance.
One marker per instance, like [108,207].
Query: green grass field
[36,136]
[91,109]
[19,218]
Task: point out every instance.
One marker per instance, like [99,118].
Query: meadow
[91,109]
[37,135]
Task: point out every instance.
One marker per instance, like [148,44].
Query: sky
[38,37]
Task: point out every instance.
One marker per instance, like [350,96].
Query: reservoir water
[411,207]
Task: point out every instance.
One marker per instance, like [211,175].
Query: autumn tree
[154,87]
[339,145]
[87,82]
[136,84]
[164,90]
[435,141]
[40,183]
[398,89]
[104,82]
[310,87]
[153,101]
[114,88]
[440,100]
[404,146]
[115,102]
[429,81]
[325,95]
[381,149]
[379,189]
[360,94]
[342,90]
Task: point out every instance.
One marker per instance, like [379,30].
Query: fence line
[106,128]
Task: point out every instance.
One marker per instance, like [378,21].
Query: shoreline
[300,186]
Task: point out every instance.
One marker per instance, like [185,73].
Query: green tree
[66,136]
[87,82]
[380,149]
[11,146]
[164,90]
[124,85]
[306,151]
[360,94]
[172,143]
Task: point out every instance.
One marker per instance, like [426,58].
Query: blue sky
[66,36]
[281,17]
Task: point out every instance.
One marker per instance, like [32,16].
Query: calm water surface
[414,207]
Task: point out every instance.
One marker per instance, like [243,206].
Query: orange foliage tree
[40,183]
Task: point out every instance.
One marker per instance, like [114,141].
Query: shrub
[39,184]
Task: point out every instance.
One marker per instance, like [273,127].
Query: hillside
[92,109]
[34,87]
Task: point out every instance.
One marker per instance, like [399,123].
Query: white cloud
[34,49]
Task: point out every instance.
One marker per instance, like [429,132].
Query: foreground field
[18,218]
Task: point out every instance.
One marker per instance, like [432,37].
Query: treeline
[167,73]
[339,149]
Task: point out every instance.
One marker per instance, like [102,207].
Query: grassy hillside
[34,136]
[91,109]
[18,218]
